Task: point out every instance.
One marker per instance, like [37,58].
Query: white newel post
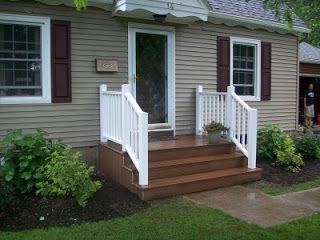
[103,113]
[199,122]
[252,138]
[124,89]
[143,148]
[229,109]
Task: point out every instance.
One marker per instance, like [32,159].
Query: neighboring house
[53,59]
[309,73]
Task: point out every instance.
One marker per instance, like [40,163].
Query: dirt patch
[279,176]
[30,211]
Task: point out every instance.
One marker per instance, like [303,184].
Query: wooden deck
[184,165]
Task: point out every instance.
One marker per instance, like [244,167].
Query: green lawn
[292,188]
[177,220]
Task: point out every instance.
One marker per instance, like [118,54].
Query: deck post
[103,113]
[199,112]
[124,89]
[229,109]
[143,149]
[252,138]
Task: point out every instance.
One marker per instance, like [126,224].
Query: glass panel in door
[151,76]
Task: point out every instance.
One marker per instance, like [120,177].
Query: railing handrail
[234,113]
[128,126]
[242,103]
[133,103]
[213,93]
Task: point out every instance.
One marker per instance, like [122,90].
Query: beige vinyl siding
[196,64]
[95,34]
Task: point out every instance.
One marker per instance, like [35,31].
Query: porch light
[159,18]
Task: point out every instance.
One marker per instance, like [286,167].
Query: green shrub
[269,139]
[277,146]
[6,193]
[67,175]
[287,157]
[24,158]
[308,146]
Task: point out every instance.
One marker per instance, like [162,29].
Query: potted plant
[214,130]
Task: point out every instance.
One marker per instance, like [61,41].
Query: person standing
[309,98]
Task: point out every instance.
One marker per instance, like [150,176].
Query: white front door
[151,72]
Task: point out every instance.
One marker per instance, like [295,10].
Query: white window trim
[44,23]
[257,90]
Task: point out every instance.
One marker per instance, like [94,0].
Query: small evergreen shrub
[276,146]
[308,145]
[24,158]
[66,174]
[6,193]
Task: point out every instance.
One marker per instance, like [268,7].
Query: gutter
[257,22]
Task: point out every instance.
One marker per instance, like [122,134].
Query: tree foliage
[80,4]
[307,10]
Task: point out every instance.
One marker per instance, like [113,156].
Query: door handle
[135,78]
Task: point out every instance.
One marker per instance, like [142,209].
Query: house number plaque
[106,65]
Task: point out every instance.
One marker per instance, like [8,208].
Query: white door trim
[169,31]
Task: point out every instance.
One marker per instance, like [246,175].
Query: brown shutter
[265,71]
[61,61]
[223,63]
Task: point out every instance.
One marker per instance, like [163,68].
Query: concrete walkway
[258,208]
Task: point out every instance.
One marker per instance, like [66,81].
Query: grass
[291,188]
[176,220]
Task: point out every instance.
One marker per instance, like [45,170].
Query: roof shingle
[253,9]
[309,53]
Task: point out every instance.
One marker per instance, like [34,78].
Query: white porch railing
[230,110]
[123,121]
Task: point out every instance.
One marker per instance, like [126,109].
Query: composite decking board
[184,141]
[184,165]
[157,183]
[192,160]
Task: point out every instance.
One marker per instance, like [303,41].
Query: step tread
[156,183]
[172,146]
[190,160]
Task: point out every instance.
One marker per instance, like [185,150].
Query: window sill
[24,100]
[250,98]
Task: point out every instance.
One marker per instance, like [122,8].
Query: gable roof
[309,53]
[231,12]
[253,9]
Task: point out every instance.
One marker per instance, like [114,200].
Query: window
[245,67]
[24,59]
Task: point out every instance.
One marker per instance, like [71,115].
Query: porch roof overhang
[183,11]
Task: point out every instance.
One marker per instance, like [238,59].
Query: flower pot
[214,137]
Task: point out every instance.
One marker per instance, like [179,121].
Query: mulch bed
[110,201]
[279,176]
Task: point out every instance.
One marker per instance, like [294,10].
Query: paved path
[259,208]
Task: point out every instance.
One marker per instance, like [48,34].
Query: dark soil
[277,175]
[111,201]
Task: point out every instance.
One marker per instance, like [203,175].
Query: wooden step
[185,166]
[190,151]
[165,187]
